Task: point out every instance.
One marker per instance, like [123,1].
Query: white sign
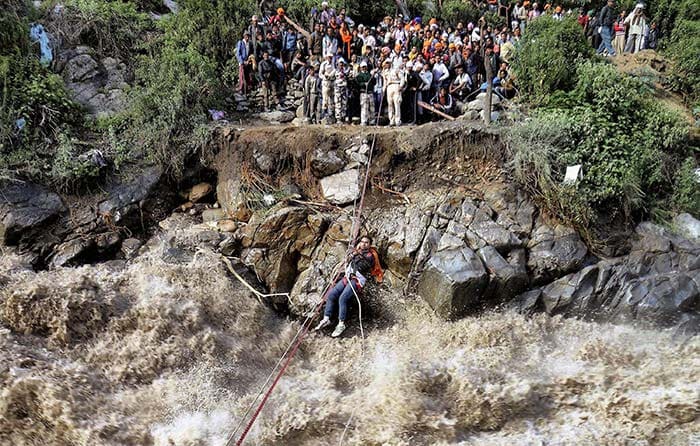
[573,174]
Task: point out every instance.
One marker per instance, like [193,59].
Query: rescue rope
[294,345]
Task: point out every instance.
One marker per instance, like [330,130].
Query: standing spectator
[330,43]
[316,43]
[289,44]
[340,89]
[365,82]
[244,49]
[637,22]
[327,15]
[606,19]
[345,38]
[378,92]
[269,77]
[255,27]
[653,37]
[311,87]
[619,29]
[327,75]
[394,83]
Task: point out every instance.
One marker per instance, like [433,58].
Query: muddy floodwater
[168,349]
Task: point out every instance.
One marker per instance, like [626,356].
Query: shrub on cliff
[630,148]
[548,56]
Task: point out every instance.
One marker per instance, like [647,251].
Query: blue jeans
[341,294]
[606,44]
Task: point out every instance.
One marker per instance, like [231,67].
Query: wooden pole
[436,111]
[489,88]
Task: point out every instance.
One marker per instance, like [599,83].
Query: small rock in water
[200,191]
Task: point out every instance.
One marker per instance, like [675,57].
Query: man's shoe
[325,322]
[339,329]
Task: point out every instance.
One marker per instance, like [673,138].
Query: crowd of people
[405,69]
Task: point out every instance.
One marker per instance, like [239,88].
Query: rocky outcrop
[658,282]
[341,188]
[24,209]
[453,281]
[554,251]
[96,83]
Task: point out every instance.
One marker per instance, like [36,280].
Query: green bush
[455,11]
[547,58]
[684,48]
[686,190]
[113,28]
[630,148]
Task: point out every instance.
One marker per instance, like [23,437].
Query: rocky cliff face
[449,225]
[447,221]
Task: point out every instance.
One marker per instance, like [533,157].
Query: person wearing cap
[394,81]
[637,23]
[278,18]
[340,91]
[327,75]
[255,27]
[455,59]
[311,96]
[244,49]
[365,83]
[327,16]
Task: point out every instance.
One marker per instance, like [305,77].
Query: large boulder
[279,245]
[687,226]
[658,282]
[453,282]
[324,163]
[24,208]
[507,277]
[554,252]
[126,195]
[341,188]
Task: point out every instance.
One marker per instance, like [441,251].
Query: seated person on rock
[363,263]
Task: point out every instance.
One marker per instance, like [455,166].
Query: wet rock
[129,192]
[281,244]
[199,191]
[71,252]
[176,256]
[24,209]
[107,241]
[226,226]
[130,247]
[506,280]
[658,282]
[554,252]
[687,226]
[213,215]
[341,188]
[324,163]
[453,282]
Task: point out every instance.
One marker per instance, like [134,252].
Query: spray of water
[173,353]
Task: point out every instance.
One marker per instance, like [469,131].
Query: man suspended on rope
[363,264]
